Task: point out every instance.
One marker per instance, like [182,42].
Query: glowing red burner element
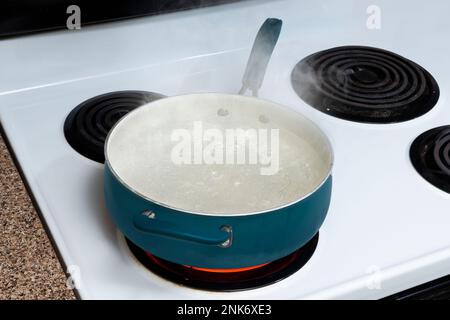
[157,260]
[230,270]
[227,279]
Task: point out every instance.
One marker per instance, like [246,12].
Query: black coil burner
[430,155]
[227,281]
[365,84]
[87,126]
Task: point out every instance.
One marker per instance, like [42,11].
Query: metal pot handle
[146,222]
[262,50]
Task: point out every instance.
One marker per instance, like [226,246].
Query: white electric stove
[387,229]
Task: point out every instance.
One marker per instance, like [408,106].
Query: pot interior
[218,154]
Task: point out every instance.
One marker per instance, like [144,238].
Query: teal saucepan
[217,180]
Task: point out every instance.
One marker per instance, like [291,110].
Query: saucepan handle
[262,50]
[147,222]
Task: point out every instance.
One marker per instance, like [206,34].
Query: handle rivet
[149,214]
[227,243]
[222,112]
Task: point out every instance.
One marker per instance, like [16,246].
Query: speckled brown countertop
[29,267]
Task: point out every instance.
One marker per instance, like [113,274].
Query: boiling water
[141,155]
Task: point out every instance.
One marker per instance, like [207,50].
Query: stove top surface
[387,227]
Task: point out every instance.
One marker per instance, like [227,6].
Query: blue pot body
[212,241]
